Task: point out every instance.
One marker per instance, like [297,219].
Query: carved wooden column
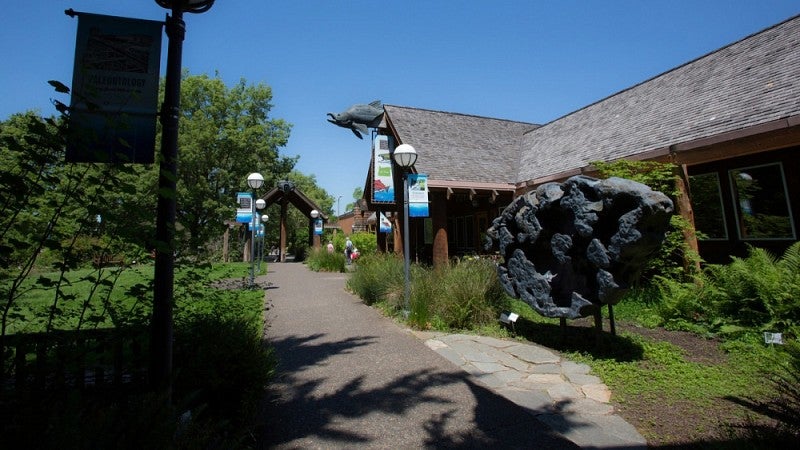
[438,208]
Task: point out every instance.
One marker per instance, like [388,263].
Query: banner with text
[244,211]
[382,180]
[417,195]
[114,97]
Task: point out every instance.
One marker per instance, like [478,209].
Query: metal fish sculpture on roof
[358,118]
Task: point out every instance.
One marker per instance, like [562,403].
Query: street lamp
[405,156]
[263,231]
[255,180]
[164,270]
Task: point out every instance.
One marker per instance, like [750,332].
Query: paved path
[351,378]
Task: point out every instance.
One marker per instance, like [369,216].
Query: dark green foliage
[760,292]
[222,367]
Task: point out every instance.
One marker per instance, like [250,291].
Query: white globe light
[261,203]
[405,155]
[255,180]
[314,213]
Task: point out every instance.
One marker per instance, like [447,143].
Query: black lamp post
[255,180]
[405,156]
[164,276]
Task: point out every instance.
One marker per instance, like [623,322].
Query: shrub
[464,295]
[759,291]
[379,276]
[222,366]
[319,260]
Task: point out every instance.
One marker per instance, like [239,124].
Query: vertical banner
[244,211]
[382,180]
[417,195]
[385,226]
[318,227]
[114,97]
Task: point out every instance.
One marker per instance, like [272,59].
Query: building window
[761,202]
[461,234]
[709,216]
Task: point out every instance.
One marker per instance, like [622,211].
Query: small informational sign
[773,338]
[509,317]
[114,96]
[417,195]
[244,210]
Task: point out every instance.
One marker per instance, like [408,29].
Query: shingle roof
[460,147]
[749,82]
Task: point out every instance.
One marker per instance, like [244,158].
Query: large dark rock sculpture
[358,118]
[572,247]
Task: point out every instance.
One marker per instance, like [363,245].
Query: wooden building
[730,120]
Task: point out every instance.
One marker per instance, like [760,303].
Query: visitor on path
[348,250]
[330,247]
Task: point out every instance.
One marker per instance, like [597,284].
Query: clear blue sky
[523,60]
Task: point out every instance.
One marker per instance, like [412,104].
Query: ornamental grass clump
[463,296]
[377,277]
[320,260]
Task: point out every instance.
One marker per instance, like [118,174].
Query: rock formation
[569,248]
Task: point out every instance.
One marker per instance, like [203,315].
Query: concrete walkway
[350,378]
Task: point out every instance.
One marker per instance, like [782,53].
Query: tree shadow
[304,408]
[582,339]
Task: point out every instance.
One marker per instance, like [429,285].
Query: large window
[461,234]
[709,216]
[761,202]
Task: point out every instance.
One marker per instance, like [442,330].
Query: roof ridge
[674,69]
[462,114]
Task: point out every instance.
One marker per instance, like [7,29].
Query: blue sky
[525,60]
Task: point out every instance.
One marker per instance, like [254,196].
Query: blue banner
[244,211]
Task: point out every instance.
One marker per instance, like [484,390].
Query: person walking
[348,250]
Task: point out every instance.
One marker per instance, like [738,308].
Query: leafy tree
[357,194]
[225,134]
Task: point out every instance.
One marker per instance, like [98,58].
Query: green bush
[379,276]
[319,260]
[365,242]
[222,367]
[466,295]
[759,292]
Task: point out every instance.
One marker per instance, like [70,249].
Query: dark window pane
[762,207]
[709,217]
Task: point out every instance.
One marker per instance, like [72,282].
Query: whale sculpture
[359,117]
